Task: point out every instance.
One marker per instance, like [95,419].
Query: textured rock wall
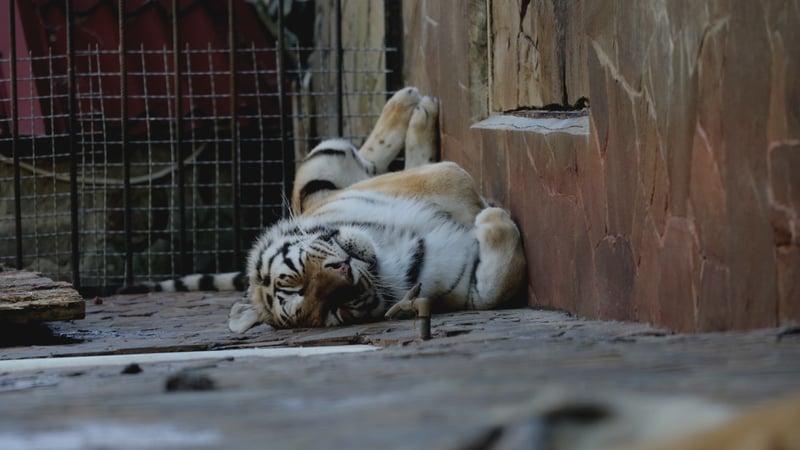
[680,204]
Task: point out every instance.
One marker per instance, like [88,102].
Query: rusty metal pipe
[421,306]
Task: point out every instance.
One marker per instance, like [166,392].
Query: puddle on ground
[14,335]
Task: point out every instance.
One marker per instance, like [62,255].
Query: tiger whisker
[287,204]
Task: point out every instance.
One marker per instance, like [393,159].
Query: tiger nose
[342,269]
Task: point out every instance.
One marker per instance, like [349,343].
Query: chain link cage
[145,140]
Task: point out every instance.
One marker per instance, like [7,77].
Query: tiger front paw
[423,132]
[389,135]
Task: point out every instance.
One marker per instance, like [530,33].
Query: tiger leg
[388,137]
[423,133]
[332,165]
[335,164]
[501,267]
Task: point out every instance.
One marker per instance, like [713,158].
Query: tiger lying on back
[359,239]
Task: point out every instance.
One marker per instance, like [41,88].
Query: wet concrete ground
[482,373]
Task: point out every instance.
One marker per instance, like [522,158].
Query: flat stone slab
[27,297]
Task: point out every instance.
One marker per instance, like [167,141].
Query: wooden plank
[362,27]
[27,297]
[528,54]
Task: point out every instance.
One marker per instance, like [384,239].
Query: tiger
[359,237]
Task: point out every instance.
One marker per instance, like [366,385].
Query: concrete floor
[480,377]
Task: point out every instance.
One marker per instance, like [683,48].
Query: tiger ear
[243,316]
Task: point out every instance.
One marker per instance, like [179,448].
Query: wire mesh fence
[163,160]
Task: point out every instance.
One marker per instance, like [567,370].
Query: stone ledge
[578,126]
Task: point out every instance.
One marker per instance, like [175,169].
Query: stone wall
[675,200]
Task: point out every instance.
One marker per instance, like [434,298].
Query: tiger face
[314,278]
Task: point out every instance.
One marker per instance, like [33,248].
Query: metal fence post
[339,68]
[12,29]
[184,264]
[235,188]
[73,151]
[281,66]
[126,154]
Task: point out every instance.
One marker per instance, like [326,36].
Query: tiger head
[314,277]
